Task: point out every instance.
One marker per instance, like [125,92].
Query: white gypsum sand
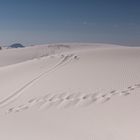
[70,91]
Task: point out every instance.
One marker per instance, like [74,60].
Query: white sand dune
[70,91]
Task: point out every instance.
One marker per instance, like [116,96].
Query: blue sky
[47,21]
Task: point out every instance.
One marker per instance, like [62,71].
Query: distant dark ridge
[16,45]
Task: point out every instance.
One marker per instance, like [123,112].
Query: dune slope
[70,93]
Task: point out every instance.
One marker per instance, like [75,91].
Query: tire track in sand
[66,59]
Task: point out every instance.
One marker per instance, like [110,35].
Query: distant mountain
[16,45]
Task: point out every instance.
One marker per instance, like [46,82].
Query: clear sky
[47,21]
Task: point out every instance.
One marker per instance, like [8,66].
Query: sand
[70,91]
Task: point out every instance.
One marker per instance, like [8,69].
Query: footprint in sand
[70,100]
[65,100]
[54,100]
[88,99]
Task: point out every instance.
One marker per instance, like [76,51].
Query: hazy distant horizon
[87,21]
